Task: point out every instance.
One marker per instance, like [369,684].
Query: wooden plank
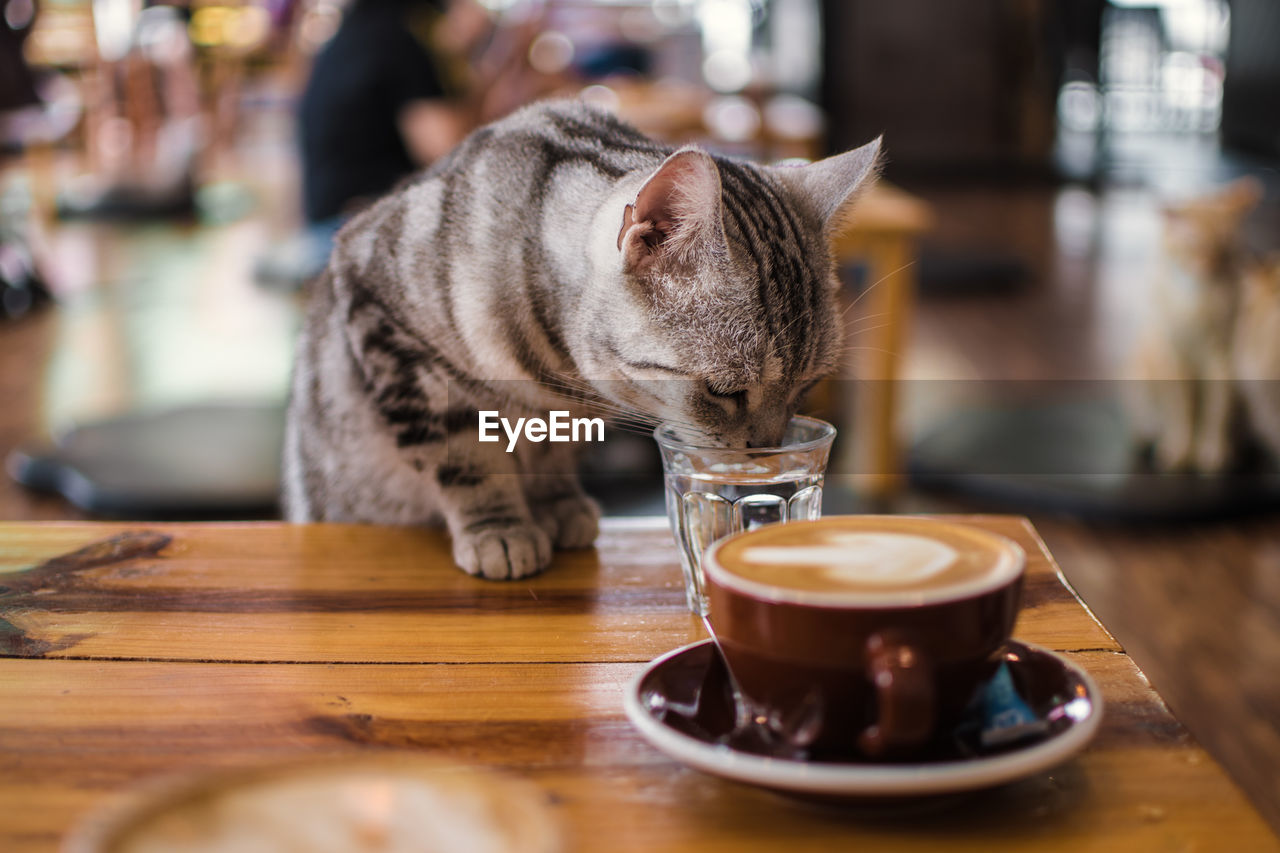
[350,593]
[74,733]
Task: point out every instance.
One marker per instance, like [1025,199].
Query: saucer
[681,703]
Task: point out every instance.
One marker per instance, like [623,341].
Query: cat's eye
[735,395]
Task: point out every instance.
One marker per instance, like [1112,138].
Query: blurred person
[351,116]
[17,84]
[396,88]
[21,286]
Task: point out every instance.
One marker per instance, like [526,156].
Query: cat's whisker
[609,407]
[614,405]
[642,431]
[569,380]
[576,385]
[627,415]
[870,329]
[873,286]
[861,319]
[575,396]
[871,349]
[639,422]
[778,334]
[864,318]
[800,317]
[635,429]
[578,395]
[616,409]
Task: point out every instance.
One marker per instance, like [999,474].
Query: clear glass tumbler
[715,491]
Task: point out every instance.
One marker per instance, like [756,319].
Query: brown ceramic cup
[861,636]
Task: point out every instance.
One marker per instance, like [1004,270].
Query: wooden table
[131,650]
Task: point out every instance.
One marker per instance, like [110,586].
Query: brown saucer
[682,703]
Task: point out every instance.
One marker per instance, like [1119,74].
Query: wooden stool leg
[874,456]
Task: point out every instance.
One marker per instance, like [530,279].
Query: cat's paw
[502,552]
[571,522]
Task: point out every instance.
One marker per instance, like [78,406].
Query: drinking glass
[715,491]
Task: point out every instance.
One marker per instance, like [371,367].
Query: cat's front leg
[555,495]
[494,533]
[1213,448]
[406,382]
[1176,405]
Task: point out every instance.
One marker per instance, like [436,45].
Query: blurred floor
[1077,265]
[159,314]
[170,316]
[1196,605]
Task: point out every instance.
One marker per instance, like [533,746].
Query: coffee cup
[861,636]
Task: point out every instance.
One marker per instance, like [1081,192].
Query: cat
[1255,355]
[1188,407]
[557,259]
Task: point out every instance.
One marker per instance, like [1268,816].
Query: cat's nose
[767,430]
[769,439]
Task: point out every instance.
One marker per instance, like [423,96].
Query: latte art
[857,559]
[871,559]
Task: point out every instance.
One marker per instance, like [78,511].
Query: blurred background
[1069,269]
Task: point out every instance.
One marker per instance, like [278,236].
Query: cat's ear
[677,212]
[827,186]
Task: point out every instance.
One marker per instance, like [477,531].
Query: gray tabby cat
[558,259]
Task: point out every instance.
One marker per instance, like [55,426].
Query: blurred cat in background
[1256,354]
[1189,408]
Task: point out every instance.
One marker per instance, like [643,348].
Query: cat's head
[1202,235]
[725,292]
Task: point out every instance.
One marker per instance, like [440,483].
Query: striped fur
[557,259]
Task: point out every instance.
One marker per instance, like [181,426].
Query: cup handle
[904,691]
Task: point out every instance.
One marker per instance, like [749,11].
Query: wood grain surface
[128,651]
[1210,596]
